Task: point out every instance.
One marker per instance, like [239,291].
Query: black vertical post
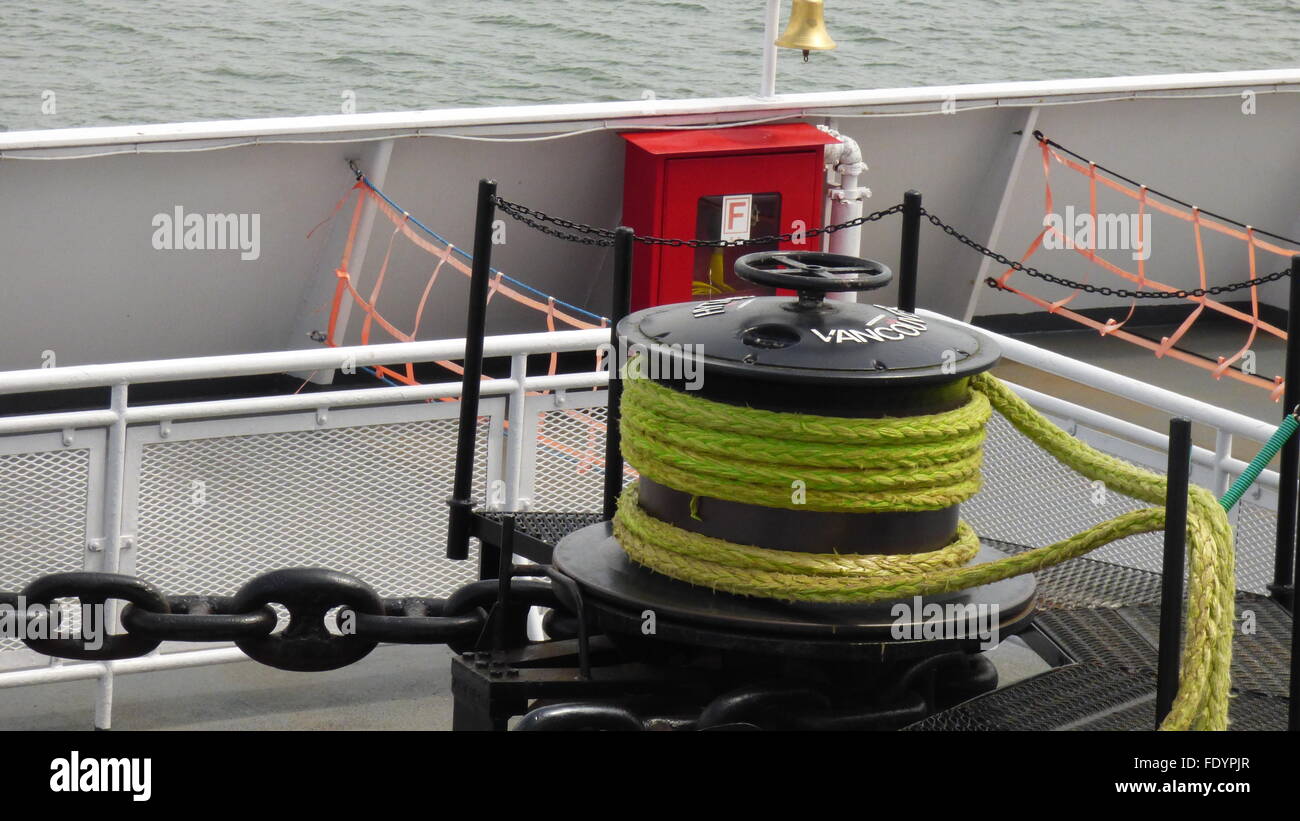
[505,571]
[458,525]
[1284,555]
[1171,583]
[1293,715]
[623,239]
[909,251]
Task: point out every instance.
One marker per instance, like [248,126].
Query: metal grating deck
[1111,685]
[547,528]
[1087,582]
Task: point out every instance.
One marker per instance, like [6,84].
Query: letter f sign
[736,211]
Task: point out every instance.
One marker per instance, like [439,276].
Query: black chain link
[1103,290]
[583,234]
[591,235]
[313,597]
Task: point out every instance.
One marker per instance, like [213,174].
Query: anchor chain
[334,618]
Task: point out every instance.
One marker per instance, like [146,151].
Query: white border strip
[644,112]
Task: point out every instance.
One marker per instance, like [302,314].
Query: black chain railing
[334,618]
[591,235]
[583,234]
[1089,288]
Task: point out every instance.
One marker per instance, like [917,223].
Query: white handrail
[1136,433]
[380,125]
[1161,399]
[211,367]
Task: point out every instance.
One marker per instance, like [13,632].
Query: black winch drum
[802,355]
[816,356]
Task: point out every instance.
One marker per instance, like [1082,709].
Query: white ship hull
[82,277]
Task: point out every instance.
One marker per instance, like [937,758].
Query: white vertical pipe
[1223,475]
[846,204]
[114,489]
[515,417]
[846,201]
[115,479]
[767,85]
[104,700]
[1222,452]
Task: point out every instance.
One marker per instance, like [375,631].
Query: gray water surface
[133,61]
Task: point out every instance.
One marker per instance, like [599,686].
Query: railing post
[516,418]
[1282,589]
[1171,582]
[115,479]
[104,699]
[909,251]
[113,538]
[458,523]
[623,239]
[1222,453]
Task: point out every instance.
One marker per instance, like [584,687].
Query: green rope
[1256,466]
[801,461]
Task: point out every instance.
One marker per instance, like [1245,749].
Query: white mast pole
[767,86]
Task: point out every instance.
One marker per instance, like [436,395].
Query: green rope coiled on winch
[839,464]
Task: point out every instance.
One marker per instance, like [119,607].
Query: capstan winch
[812,364]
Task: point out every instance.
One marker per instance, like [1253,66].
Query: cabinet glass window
[714,271]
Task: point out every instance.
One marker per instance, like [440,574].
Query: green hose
[1256,466]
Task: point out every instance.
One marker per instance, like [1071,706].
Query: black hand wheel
[812,273]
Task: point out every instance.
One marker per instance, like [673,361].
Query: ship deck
[1101,614]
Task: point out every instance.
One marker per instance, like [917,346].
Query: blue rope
[469,258]
[376,375]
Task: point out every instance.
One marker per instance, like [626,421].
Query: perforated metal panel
[1256,535]
[368,500]
[1030,498]
[43,509]
[569,472]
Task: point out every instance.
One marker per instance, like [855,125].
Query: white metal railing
[108,537]
[640,113]
[518,395]
[1227,425]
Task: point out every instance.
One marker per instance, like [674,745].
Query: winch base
[632,601]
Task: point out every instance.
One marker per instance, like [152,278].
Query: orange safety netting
[591,454]
[1199,222]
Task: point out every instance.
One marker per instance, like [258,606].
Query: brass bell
[807,28]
